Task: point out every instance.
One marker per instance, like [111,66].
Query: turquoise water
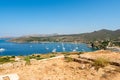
[9,48]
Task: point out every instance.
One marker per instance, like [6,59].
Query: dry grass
[100,62]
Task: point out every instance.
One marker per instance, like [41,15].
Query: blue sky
[21,17]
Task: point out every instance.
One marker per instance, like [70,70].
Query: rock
[92,68]
[12,65]
[23,63]
[90,77]
[33,61]
[17,64]
[17,58]
[7,66]
[1,66]
[9,77]
[82,66]
[85,56]
[100,71]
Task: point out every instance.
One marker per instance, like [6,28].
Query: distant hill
[103,34]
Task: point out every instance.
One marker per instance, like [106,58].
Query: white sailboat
[2,49]
[47,48]
[58,46]
[31,46]
[74,50]
[83,50]
[63,47]
[54,50]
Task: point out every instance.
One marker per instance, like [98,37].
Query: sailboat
[54,50]
[47,48]
[31,46]
[2,49]
[63,47]
[74,50]
[58,46]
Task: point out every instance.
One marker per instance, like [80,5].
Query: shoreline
[45,42]
[116,49]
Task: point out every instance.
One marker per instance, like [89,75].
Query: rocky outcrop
[12,65]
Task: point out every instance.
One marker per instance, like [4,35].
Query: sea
[21,49]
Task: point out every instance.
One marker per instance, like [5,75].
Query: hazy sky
[20,17]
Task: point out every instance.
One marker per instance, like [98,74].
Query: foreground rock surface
[60,69]
[109,55]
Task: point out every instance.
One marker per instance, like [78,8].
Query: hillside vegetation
[84,37]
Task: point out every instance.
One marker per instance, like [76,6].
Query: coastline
[116,49]
[11,48]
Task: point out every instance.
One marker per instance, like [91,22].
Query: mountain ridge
[102,34]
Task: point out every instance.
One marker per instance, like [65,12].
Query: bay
[10,48]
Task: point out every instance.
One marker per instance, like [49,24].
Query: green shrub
[38,56]
[27,59]
[32,57]
[12,56]
[68,59]
[5,59]
[66,54]
[53,55]
[80,53]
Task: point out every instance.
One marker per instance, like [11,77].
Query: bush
[53,55]
[38,58]
[80,53]
[66,54]
[68,59]
[12,56]
[5,59]
[27,59]
[32,57]
[100,62]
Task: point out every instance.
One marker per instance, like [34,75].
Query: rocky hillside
[102,35]
[84,37]
[98,65]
